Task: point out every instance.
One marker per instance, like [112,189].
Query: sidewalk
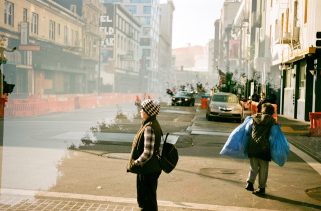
[297,133]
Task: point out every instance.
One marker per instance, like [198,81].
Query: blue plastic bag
[236,144]
[279,145]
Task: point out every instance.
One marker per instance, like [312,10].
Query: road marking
[211,133]
[308,159]
[133,201]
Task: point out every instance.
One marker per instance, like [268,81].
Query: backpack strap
[164,140]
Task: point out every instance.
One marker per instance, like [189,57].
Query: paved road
[93,177]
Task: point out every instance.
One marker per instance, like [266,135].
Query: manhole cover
[314,193]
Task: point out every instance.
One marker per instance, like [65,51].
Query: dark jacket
[152,165]
[259,146]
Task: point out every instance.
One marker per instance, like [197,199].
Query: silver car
[224,105]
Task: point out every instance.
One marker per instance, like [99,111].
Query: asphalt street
[76,161]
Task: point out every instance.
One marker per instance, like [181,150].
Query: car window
[225,98]
[183,94]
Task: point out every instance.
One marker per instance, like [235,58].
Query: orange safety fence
[40,105]
[252,108]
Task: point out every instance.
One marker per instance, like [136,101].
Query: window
[147,10]
[305,11]
[146,31]
[9,13]
[147,20]
[66,35]
[34,23]
[25,15]
[58,28]
[132,9]
[302,79]
[145,42]
[112,1]
[52,30]
[140,1]
[146,52]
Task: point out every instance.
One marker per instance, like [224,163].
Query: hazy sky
[194,21]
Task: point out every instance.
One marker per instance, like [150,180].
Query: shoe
[249,186]
[260,191]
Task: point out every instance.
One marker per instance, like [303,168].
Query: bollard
[204,103]
[315,123]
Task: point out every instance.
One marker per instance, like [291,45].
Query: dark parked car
[224,105]
[183,98]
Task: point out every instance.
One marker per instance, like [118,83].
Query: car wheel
[208,117]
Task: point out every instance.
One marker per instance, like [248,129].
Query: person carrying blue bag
[259,149]
[260,139]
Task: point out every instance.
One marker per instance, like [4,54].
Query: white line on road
[210,133]
[308,159]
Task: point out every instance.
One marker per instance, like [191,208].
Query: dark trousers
[146,191]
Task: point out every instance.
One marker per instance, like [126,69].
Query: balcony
[290,37]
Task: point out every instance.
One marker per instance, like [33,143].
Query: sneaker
[249,186]
[260,191]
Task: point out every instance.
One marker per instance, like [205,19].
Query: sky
[193,21]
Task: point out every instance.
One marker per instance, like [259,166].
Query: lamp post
[3,87]
[99,62]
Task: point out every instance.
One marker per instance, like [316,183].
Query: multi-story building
[293,34]
[278,52]
[121,49]
[148,13]
[230,8]
[90,11]
[50,38]
[165,45]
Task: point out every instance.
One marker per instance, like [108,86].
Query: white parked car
[224,105]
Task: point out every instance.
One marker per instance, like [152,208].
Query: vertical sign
[24,33]
[107,26]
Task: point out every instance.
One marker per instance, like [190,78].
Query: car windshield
[225,98]
[183,94]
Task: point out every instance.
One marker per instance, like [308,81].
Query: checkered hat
[151,107]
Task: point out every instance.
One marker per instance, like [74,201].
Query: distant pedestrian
[258,149]
[262,101]
[138,104]
[272,98]
[144,156]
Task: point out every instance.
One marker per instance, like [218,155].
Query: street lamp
[98,45]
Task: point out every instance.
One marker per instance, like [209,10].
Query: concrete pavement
[63,197]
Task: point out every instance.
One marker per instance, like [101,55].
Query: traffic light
[7,88]
[318,41]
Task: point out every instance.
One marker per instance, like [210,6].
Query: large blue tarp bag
[236,144]
[279,145]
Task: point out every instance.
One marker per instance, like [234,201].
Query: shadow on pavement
[292,202]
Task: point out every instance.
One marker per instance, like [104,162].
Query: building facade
[277,52]
[121,50]
[165,45]
[148,13]
[50,38]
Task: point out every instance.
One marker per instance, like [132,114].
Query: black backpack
[169,156]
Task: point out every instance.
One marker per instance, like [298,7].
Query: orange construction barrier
[204,102]
[315,123]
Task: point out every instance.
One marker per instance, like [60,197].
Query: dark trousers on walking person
[146,191]
[258,167]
